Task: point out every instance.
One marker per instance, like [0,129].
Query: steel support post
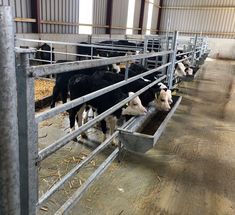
[201,48]
[9,144]
[194,51]
[28,136]
[166,48]
[145,50]
[171,68]
[127,70]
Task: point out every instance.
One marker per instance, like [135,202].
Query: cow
[80,85]
[181,70]
[147,96]
[45,56]
[118,52]
[85,50]
[86,81]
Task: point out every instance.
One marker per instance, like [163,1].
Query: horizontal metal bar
[75,170]
[116,45]
[37,71]
[72,54]
[185,53]
[104,50]
[36,59]
[52,112]
[200,7]
[179,61]
[81,190]
[44,153]
[25,50]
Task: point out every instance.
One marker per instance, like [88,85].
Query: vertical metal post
[166,57]
[201,48]
[141,18]
[9,144]
[92,52]
[51,52]
[171,68]
[126,70]
[145,49]
[28,136]
[194,50]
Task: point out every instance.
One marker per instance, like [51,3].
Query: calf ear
[157,94]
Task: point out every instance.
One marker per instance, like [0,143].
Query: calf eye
[134,104]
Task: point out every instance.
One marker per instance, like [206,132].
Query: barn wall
[155,16]
[99,16]
[56,12]
[119,18]
[136,15]
[214,18]
[61,16]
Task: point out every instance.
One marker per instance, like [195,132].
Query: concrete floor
[190,171]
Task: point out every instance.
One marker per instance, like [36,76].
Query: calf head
[116,68]
[163,100]
[180,70]
[168,92]
[186,61]
[134,107]
[189,71]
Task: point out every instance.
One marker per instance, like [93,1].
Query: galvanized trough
[143,133]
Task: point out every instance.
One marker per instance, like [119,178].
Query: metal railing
[31,121]
[104,47]
[29,157]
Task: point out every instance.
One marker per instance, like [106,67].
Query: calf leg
[64,95]
[80,120]
[111,122]
[72,116]
[55,95]
[103,126]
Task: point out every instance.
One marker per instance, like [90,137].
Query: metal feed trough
[143,133]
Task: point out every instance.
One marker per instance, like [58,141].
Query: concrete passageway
[192,168]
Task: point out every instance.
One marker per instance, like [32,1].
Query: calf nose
[144,111]
[168,108]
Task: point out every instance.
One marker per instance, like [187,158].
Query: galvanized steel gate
[21,166]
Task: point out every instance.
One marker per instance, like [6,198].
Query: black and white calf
[81,85]
[159,92]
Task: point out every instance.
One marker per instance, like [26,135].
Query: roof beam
[159,16]
[141,19]
[109,15]
[36,10]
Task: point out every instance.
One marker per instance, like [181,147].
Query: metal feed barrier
[21,167]
[67,54]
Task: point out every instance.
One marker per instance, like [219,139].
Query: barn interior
[117,107]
